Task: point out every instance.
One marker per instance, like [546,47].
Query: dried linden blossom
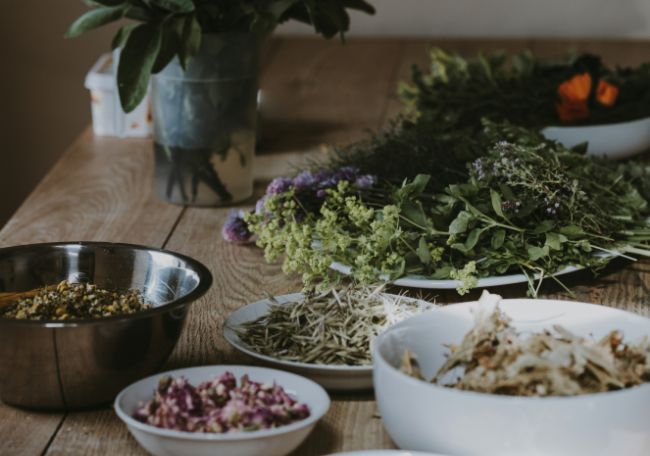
[494,358]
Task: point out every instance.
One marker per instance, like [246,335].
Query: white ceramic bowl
[426,417]
[269,442]
[615,141]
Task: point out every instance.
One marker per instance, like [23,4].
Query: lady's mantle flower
[236,229]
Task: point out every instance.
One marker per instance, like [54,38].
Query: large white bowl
[425,417]
[615,141]
[269,442]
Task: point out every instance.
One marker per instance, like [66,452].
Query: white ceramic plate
[269,442]
[334,378]
[426,417]
[615,141]
[413,281]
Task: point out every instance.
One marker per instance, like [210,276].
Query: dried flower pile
[220,406]
[336,327]
[70,301]
[495,358]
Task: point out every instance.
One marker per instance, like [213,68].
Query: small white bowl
[615,141]
[269,442]
[426,417]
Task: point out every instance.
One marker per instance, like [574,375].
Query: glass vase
[205,121]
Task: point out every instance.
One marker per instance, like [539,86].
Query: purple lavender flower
[365,181]
[278,185]
[348,173]
[235,229]
[304,181]
[259,206]
[321,194]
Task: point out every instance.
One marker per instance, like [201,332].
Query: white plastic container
[108,117]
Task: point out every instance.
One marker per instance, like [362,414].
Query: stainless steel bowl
[54,365]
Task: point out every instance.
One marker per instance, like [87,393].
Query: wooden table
[318,92]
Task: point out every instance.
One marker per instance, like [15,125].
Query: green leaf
[544,226]
[460,223]
[136,62]
[535,253]
[359,5]
[170,44]
[122,35]
[424,254]
[279,7]
[413,211]
[175,6]
[473,238]
[498,238]
[555,240]
[572,231]
[190,40]
[95,18]
[496,203]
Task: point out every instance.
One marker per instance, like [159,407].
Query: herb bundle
[528,205]
[495,358]
[335,327]
[457,92]
[164,29]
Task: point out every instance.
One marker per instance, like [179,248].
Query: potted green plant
[203,55]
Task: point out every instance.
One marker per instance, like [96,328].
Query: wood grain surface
[316,93]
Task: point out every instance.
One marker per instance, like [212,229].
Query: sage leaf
[136,61]
[95,18]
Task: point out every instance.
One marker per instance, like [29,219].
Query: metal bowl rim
[204,284]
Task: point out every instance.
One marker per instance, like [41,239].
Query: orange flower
[606,93]
[575,89]
[574,95]
[569,111]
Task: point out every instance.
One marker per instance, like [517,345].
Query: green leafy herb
[457,92]
[174,27]
[528,205]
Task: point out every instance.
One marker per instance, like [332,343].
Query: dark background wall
[43,104]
